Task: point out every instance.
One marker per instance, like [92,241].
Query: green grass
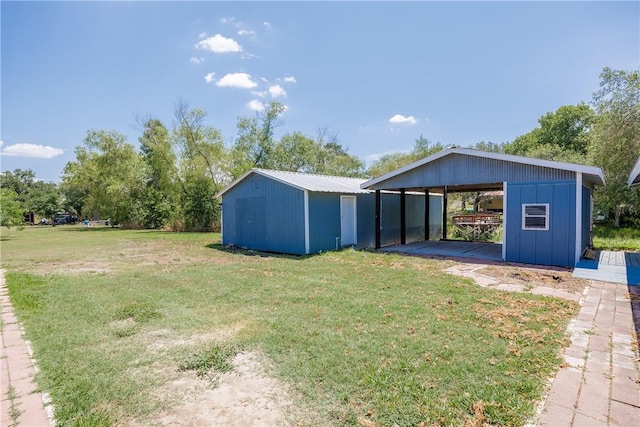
[112,316]
[607,237]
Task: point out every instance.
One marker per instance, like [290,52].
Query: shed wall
[263,214]
[457,169]
[390,221]
[324,221]
[555,246]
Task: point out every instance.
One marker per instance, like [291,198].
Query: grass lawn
[616,239]
[359,338]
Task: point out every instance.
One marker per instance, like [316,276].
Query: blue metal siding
[366,206]
[555,246]
[262,214]
[324,221]
[435,217]
[457,169]
[390,233]
[390,224]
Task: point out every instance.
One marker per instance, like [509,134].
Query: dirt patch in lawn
[164,255]
[531,277]
[246,395]
[161,340]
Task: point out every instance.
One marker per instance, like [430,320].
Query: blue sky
[379,74]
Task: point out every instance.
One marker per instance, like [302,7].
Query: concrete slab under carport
[450,248]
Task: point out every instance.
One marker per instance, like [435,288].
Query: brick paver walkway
[20,402]
[599,384]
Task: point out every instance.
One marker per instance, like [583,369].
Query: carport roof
[591,174]
[634,177]
[306,181]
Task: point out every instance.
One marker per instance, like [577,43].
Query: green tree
[160,200]
[46,199]
[202,210]
[323,155]
[296,152]
[616,140]
[563,135]
[109,169]
[42,198]
[254,146]
[11,213]
[203,168]
[333,158]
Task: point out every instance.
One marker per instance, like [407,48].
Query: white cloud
[240,80]
[245,32]
[1,143]
[32,150]
[195,60]
[261,93]
[227,19]
[209,77]
[246,55]
[277,91]
[290,79]
[219,44]
[399,118]
[267,24]
[202,35]
[255,105]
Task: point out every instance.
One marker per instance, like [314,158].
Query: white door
[348,226]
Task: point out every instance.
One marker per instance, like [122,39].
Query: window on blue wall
[535,216]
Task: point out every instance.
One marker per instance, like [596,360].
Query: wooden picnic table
[479,226]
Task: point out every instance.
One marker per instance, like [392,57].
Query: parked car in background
[61,219]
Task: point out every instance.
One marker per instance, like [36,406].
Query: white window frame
[546,216]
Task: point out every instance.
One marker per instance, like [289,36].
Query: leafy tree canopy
[563,135]
[616,141]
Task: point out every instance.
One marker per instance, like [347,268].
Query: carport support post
[426,214]
[444,213]
[377,226]
[403,217]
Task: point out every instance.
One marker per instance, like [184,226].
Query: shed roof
[469,167]
[306,181]
[634,177]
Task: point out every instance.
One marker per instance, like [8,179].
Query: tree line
[172,179]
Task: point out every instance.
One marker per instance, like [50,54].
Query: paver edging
[26,406]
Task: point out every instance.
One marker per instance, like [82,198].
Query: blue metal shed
[547,204]
[297,213]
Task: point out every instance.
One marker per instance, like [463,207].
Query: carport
[547,214]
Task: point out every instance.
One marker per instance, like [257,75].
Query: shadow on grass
[260,254]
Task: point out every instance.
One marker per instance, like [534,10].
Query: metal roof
[634,177]
[593,174]
[306,181]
